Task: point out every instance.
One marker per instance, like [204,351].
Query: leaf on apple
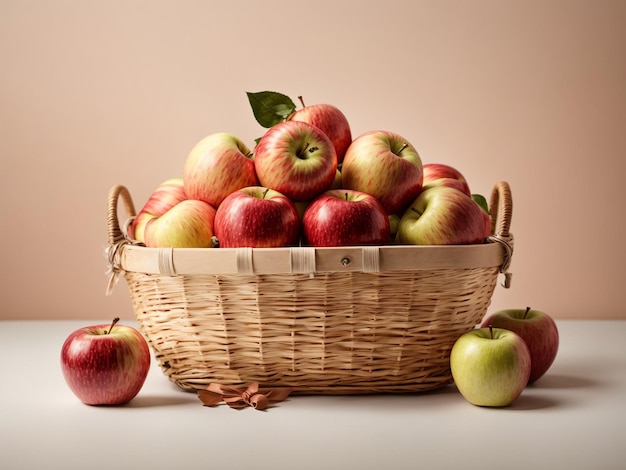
[270,107]
[482,202]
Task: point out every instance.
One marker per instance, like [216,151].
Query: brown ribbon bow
[252,396]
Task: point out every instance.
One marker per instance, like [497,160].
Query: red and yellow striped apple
[164,197]
[330,120]
[296,159]
[189,224]
[216,166]
[385,165]
[441,215]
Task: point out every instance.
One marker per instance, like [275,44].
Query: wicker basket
[347,320]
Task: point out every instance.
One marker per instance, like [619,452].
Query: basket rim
[308,260]
[125,254]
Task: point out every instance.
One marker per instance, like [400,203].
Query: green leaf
[481,201]
[270,107]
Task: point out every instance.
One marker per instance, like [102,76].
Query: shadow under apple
[150,401]
[557,381]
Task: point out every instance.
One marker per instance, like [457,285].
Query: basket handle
[115,232]
[117,238]
[501,208]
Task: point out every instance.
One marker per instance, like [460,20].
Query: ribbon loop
[253,396]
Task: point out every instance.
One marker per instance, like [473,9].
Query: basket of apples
[316,261]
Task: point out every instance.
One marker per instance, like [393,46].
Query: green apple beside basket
[341,320]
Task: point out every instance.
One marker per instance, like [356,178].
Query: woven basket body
[324,321]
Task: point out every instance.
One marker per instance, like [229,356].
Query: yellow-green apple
[537,329]
[385,165]
[330,120]
[163,198]
[341,217]
[441,215]
[105,364]
[296,159]
[490,366]
[189,224]
[216,166]
[257,217]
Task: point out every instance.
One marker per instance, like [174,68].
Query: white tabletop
[572,418]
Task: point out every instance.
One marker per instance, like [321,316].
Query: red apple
[450,182]
[165,196]
[435,171]
[105,364]
[189,224]
[296,159]
[331,121]
[257,217]
[341,217]
[385,165]
[216,166]
[443,216]
[537,329]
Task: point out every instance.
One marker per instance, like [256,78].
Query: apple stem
[403,147]
[265,192]
[301,101]
[526,312]
[346,195]
[491,331]
[115,320]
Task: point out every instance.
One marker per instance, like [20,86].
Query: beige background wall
[94,94]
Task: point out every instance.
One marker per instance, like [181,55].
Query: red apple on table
[330,120]
[163,198]
[216,166]
[105,364]
[490,366]
[257,217]
[442,215]
[189,224]
[341,217]
[296,159]
[537,329]
[385,165]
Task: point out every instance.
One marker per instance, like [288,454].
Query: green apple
[490,366]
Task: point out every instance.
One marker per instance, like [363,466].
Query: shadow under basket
[340,320]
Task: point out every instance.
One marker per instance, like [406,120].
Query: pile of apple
[308,182]
[492,365]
